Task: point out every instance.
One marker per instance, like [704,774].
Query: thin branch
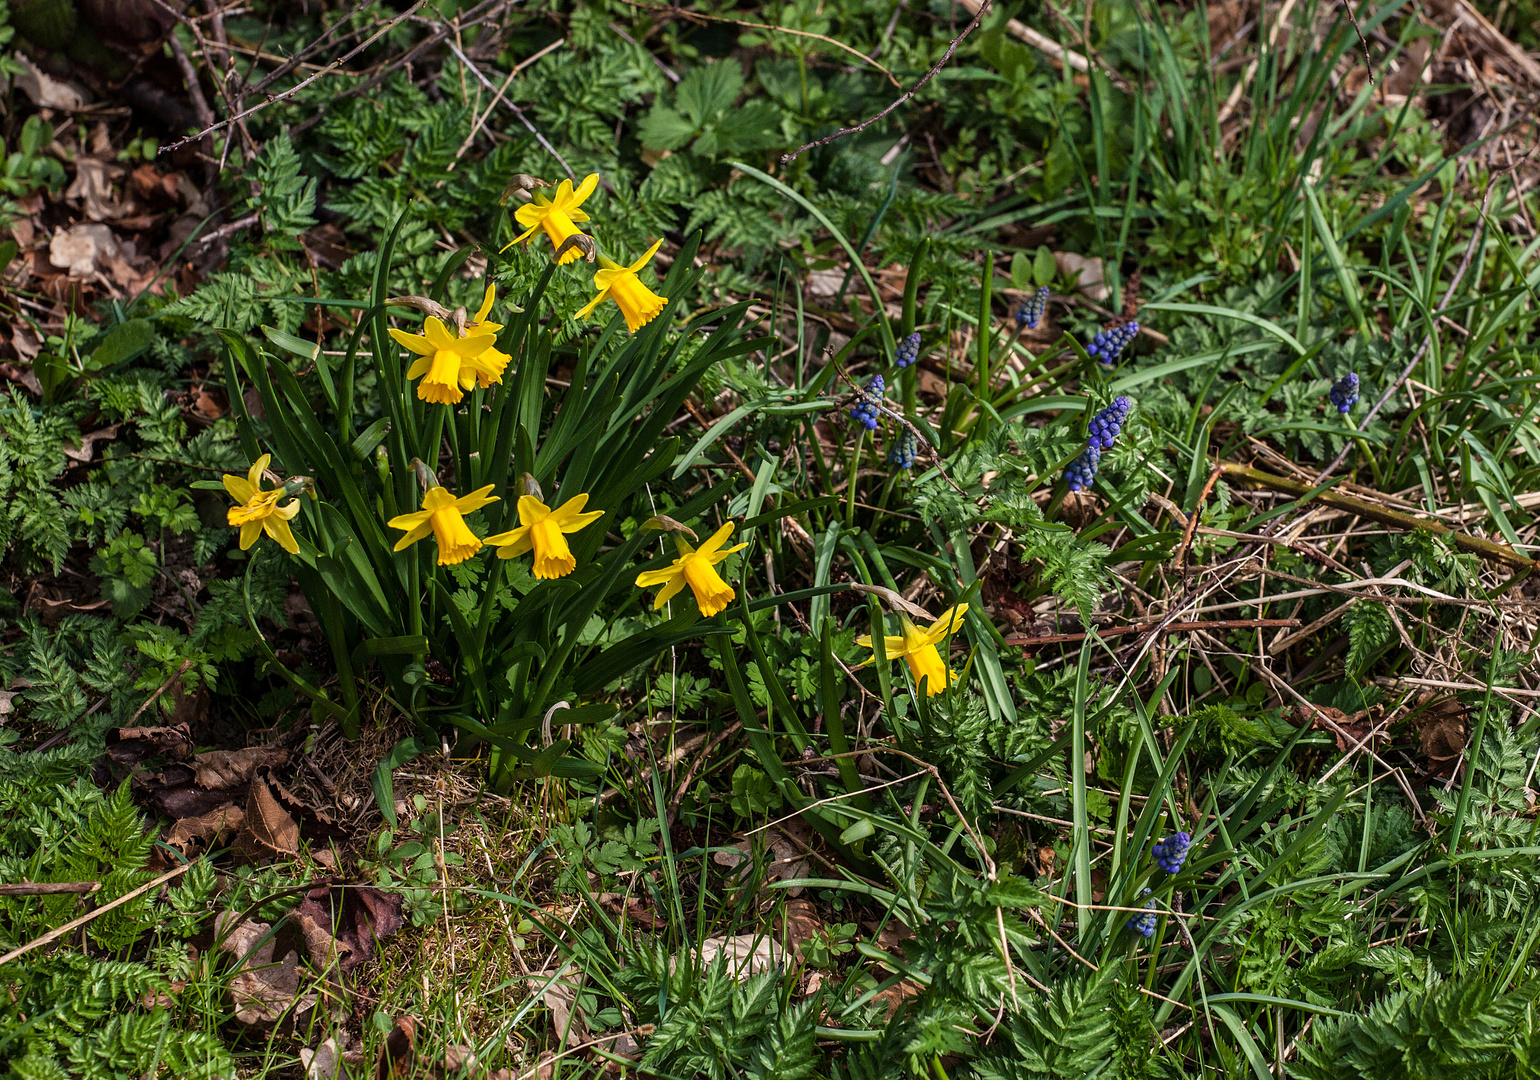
[498,96]
[75,924]
[787,159]
[297,87]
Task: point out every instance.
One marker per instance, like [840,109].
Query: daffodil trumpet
[695,567]
[443,516]
[639,304]
[544,531]
[257,511]
[918,649]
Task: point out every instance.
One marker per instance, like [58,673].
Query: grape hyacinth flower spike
[1144,924]
[1031,313]
[1171,852]
[902,452]
[908,351]
[1106,345]
[1105,425]
[1344,392]
[1082,470]
[868,401]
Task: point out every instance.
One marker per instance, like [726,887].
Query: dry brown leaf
[88,443]
[799,922]
[262,990]
[397,1054]
[566,1016]
[1442,732]
[786,860]
[323,1062]
[46,91]
[269,829]
[93,187]
[747,954]
[199,833]
[225,770]
[341,923]
[1088,274]
[893,997]
[129,746]
[85,249]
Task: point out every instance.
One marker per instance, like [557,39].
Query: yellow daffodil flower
[259,511]
[443,515]
[557,216]
[695,567]
[917,648]
[451,364]
[541,530]
[639,304]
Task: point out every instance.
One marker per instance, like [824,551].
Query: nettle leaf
[665,129]
[708,90]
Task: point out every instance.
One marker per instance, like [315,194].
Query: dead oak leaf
[84,452]
[193,834]
[225,770]
[128,746]
[341,923]
[269,829]
[261,989]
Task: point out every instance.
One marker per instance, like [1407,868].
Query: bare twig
[1168,628]
[787,159]
[153,698]
[49,888]
[75,924]
[498,97]
[1052,49]
[297,87]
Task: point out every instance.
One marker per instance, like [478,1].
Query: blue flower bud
[902,452]
[908,351]
[1144,924]
[1031,313]
[1082,470]
[1344,392]
[1171,852]
[1106,345]
[1105,426]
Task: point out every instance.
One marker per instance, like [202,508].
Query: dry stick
[1169,628]
[49,888]
[1470,251]
[75,924]
[297,87]
[1489,550]
[787,159]
[1055,52]
[498,97]
[481,120]
[163,688]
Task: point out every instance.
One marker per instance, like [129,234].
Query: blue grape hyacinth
[1171,852]
[1106,425]
[908,351]
[1344,392]
[868,400]
[1106,345]
[1082,470]
[902,452]
[1144,924]
[1031,313]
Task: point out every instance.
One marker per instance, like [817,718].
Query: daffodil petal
[588,308]
[416,342]
[670,591]
[648,578]
[645,259]
[240,489]
[717,539]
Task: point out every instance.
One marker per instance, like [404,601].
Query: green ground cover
[762,637]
